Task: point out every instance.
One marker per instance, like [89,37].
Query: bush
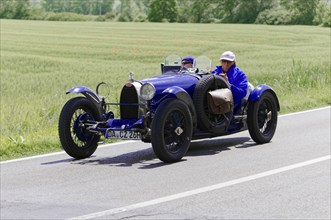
[100,18]
[323,15]
[124,18]
[36,14]
[66,16]
[141,18]
[14,9]
[110,15]
[275,16]
[327,20]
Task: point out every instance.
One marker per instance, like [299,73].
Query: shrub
[275,16]
[141,18]
[323,15]
[100,18]
[66,16]
[36,14]
[124,18]
[110,15]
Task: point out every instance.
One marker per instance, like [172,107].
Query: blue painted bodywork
[164,82]
[177,86]
[90,94]
[258,92]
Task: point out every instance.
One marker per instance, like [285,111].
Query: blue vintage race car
[168,110]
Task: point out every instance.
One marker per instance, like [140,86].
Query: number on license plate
[127,135]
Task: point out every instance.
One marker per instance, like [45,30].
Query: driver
[187,62]
[235,76]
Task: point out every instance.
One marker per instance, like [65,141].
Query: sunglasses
[186,62]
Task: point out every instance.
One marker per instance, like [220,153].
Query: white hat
[228,55]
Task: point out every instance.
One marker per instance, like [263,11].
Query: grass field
[41,60]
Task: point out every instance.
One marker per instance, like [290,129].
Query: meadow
[41,60]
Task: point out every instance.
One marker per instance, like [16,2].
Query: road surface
[222,178]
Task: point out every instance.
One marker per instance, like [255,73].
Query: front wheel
[172,129]
[262,118]
[76,140]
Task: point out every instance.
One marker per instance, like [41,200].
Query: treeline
[275,12]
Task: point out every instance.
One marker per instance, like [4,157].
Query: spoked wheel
[207,121]
[77,141]
[262,118]
[172,129]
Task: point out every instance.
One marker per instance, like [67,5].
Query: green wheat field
[41,60]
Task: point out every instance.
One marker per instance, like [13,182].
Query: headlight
[147,91]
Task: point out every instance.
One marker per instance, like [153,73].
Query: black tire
[207,121]
[75,140]
[262,118]
[170,117]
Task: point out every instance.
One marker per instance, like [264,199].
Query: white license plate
[125,135]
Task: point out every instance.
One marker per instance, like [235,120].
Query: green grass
[41,60]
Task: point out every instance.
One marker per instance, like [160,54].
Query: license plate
[125,135]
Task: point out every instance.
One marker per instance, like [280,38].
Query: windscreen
[203,63]
[172,60]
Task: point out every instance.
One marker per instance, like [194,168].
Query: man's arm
[239,87]
[217,71]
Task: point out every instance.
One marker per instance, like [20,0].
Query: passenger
[235,76]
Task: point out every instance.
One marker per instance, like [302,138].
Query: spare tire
[207,121]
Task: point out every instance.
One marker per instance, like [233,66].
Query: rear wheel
[262,118]
[172,129]
[75,138]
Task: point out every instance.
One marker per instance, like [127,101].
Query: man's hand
[224,76]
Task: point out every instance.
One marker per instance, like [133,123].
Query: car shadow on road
[208,147]
[216,146]
[146,159]
[123,160]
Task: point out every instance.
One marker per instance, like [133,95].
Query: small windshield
[203,63]
[172,60]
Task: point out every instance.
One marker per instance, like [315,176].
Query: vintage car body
[168,110]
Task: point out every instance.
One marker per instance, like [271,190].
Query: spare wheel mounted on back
[207,121]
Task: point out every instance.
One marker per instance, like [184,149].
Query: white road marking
[124,142]
[307,111]
[200,190]
[61,152]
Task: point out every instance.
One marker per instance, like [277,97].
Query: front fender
[89,94]
[181,94]
[258,92]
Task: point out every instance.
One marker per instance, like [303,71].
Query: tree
[14,9]
[126,11]
[52,5]
[302,11]
[201,11]
[160,10]
[183,12]
[242,11]
[323,14]
[224,9]
[94,7]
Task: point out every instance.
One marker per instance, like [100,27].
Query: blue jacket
[238,81]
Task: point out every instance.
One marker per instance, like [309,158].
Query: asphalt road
[223,178]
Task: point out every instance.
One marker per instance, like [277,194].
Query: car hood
[162,82]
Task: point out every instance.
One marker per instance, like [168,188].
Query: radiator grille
[129,96]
